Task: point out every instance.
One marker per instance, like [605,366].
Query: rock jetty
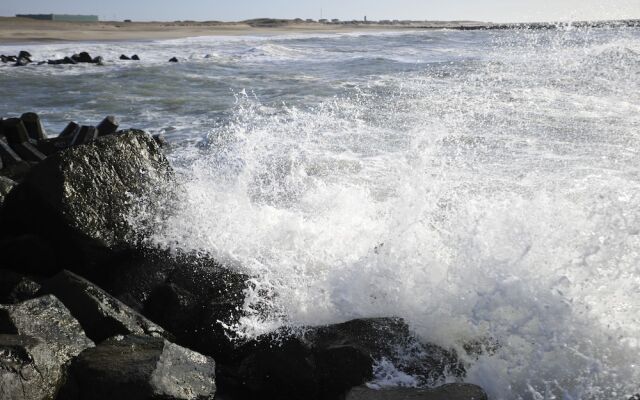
[88,310]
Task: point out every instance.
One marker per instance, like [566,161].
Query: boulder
[83,198]
[37,340]
[98,60]
[196,302]
[139,367]
[123,57]
[453,391]
[108,126]
[326,361]
[24,54]
[173,59]
[135,57]
[101,315]
[22,61]
[83,57]
[6,185]
[48,319]
[15,288]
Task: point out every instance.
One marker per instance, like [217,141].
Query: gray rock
[140,367]
[100,314]
[83,198]
[6,185]
[37,340]
[454,391]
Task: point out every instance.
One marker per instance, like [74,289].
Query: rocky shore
[88,311]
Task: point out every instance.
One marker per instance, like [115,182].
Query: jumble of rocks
[89,311]
[25,58]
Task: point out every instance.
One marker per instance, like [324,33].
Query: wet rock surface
[140,367]
[15,287]
[101,315]
[324,362]
[37,340]
[6,185]
[82,198]
[456,391]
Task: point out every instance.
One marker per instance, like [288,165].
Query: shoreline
[14,31]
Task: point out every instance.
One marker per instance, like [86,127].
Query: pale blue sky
[485,10]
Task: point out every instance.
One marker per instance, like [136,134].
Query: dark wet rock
[23,61]
[24,54]
[135,367]
[98,60]
[108,126]
[6,185]
[196,302]
[68,60]
[82,199]
[27,254]
[173,59]
[326,361]
[29,368]
[83,57]
[135,57]
[454,391]
[86,134]
[37,340]
[46,318]
[33,124]
[101,315]
[190,296]
[15,288]
[14,131]
[123,57]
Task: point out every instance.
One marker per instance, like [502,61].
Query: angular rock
[15,288]
[85,134]
[22,61]
[48,319]
[140,368]
[454,391]
[83,198]
[123,57]
[70,130]
[97,60]
[195,302]
[6,185]
[135,57]
[326,361]
[29,369]
[101,315]
[24,54]
[37,340]
[173,59]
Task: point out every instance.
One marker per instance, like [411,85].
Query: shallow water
[478,184]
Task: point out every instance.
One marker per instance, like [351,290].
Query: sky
[234,10]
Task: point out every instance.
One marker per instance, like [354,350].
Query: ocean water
[480,184]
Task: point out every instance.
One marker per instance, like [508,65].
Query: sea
[483,185]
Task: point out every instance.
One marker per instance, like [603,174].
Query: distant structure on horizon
[60,17]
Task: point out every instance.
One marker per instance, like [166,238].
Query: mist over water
[478,184]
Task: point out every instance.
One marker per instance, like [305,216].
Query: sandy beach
[20,30]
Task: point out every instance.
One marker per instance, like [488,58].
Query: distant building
[335,20]
[323,20]
[60,17]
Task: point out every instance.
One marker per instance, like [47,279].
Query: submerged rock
[326,361]
[454,391]
[173,59]
[140,367]
[82,199]
[101,315]
[37,339]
